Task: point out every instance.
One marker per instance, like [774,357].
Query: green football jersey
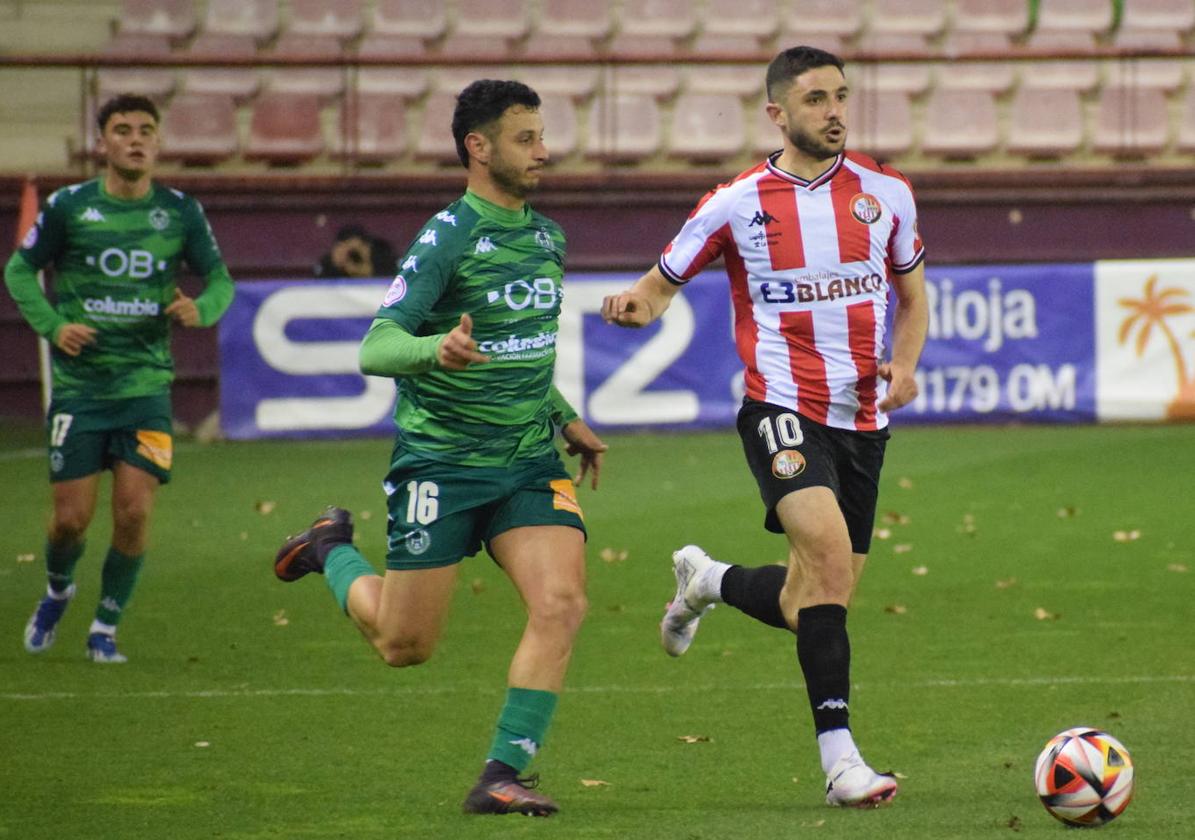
[504,268]
[115,262]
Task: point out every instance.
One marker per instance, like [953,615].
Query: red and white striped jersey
[809,265]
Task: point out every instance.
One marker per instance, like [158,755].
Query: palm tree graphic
[1150,312]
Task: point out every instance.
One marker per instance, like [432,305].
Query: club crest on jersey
[418,541]
[159,219]
[866,208]
[788,463]
[396,292]
[544,240]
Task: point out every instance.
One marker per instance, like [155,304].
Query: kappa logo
[411,263]
[526,745]
[92,215]
[833,703]
[445,216]
[761,217]
[484,246]
[428,238]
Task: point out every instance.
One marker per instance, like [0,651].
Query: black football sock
[824,651]
[756,592]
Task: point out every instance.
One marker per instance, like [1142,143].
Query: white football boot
[852,784]
[684,612]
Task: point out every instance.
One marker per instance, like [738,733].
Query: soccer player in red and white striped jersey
[813,239]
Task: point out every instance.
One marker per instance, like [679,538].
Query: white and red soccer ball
[1084,777]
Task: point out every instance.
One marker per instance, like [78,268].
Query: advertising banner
[1031,343]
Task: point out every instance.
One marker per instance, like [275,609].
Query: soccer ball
[1084,777]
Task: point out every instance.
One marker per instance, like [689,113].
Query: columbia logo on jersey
[92,215]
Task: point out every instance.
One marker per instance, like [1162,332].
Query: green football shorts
[440,512]
[85,436]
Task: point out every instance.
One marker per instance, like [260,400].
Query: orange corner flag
[28,214]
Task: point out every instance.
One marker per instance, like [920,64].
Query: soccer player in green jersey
[115,243]
[468,330]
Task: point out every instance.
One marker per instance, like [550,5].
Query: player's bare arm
[458,350]
[908,337]
[641,304]
[583,441]
[72,338]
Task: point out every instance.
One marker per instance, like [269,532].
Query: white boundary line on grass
[223,693]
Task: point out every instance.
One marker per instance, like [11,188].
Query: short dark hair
[792,63]
[483,103]
[124,104]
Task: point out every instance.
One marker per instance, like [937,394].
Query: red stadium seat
[765,136]
[200,129]
[426,19]
[745,81]
[324,82]
[623,128]
[371,128]
[1009,18]
[1066,74]
[157,83]
[561,131]
[284,129]
[806,18]
[653,26]
[1176,16]
[1186,126]
[241,83]
[576,82]
[341,19]
[434,141]
[881,123]
[256,18]
[660,82]
[707,127]
[1162,73]
[756,20]
[924,18]
[960,124]
[408,82]
[1075,16]
[1131,122]
[506,19]
[589,19]
[911,78]
[1045,122]
[990,76]
[175,19]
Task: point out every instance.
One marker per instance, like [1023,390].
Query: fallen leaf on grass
[1045,615]
[1173,567]
[24,558]
[594,783]
[814,824]
[244,536]
[365,515]
[1014,823]
[921,571]
[1126,536]
[968,526]
[609,555]
[905,483]
[694,739]
[203,743]
[896,609]
[264,506]
[477,586]
[1068,512]
[894,518]
[883,533]
[902,548]
[900,776]
[280,619]
[1006,583]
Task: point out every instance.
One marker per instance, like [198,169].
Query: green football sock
[60,564]
[116,585]
[521,726]
[343,565]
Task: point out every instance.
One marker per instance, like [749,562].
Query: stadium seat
[659,81]
[1045,122]
[623,128]
[765,136]
[175,19]
[241,83]
[1064,74]
[1131,122]
[256,18]
[588,19]
[805,19]
[959,124]
[488,48]
[561,131]
[434,140]
[1009,18]
[341,19]
[370,128]
[452,80]
[903,77]
[569,47]
[155,82]
[1162,73]
[743,80]
[486,28]
[707,127]
[324,82]
[1093,18]
[1186,125]
[408,82]
[881,123]
[200,129]
[284,129]
[990,76]
[653,27]
[425,19]
[1176,16]
[924,18]
[751,22]
[577,82]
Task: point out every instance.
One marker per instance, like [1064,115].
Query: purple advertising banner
[1005,343]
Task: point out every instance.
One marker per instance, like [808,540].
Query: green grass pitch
[999,609]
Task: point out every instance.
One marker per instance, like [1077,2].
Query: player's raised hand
[183,309]
[902,386]
[458,350]
[628,309]
[72,338]
[582,441]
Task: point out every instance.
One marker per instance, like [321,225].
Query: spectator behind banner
[357,253]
